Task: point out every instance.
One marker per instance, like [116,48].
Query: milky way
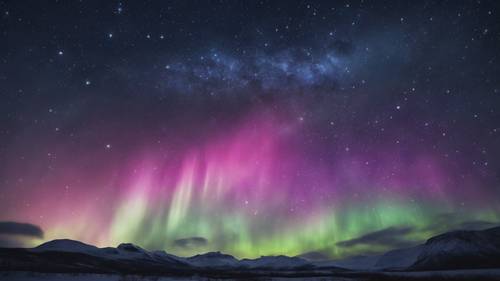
[316,128]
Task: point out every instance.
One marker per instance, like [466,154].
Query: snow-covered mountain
[453,250]
[213,259]
[399,258]
[129,251]
[73,256]
[461,249]
[67,245]
[125,251]
[274,262]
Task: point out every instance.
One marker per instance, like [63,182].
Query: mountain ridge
[453,250]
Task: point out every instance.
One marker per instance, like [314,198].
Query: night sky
[329,128]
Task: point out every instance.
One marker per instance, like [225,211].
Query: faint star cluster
[286,70]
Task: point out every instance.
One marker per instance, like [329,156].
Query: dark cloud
[397,237]
[16,228]
[315,255]
[392,236]
[15,234]
[190,242]
[455,221]
[477,225]
[444,222]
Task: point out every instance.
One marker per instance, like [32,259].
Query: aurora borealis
[331,128]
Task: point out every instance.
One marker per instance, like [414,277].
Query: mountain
[127,251]
[275,262]
[457,250]
[399,258]
[460,250]
[124,251]
[463,249]
[213,259]
[453,250]
[68,256]
[73,256]
[359,262]
[67,245]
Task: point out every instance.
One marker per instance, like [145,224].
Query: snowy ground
[488,274]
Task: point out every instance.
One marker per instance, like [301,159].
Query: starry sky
[318,128]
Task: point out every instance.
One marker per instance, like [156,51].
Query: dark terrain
[476,254]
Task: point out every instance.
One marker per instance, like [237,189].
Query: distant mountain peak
[279,261]
[67,245]
[216,254]
[129,247]
[213,259]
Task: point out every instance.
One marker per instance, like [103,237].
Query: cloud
[392,236]
[476,225]
[445,222]
[16,234]
[16,228]
[190,242]
[315,255]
